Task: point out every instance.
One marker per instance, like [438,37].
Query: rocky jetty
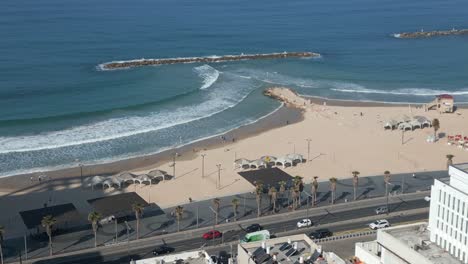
[210,59]
[428,34]
[287,96]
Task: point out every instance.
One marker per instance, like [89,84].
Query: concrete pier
[210,59]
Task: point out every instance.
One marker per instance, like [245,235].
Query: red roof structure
[445,96]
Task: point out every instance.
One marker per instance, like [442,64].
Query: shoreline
[280,117]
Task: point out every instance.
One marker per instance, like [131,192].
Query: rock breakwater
[428,34]
[210,59]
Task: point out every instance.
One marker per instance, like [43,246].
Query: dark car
[253,228]
[163,249]
[320,233]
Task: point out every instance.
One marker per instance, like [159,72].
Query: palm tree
[355,182]
[94,218]
[298,188]
[273,193]
[449,160]
[235,204]
[315,186]
[258,196]
[436,126]
[138,209]
[333,182]
[179,212]
[48,222]
[216,205]
[2,231]
[387,182]
[282,189]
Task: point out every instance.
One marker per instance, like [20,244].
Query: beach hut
[126,177]
[297,158]
[242,163]
[143,178]
[269,160]
[424,121]
[391,124]
[405,126]
[96,180]
[257,164]
[444,103]
[158,175]
[284,161]
[414,124]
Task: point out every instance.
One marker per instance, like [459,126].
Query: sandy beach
[343,137]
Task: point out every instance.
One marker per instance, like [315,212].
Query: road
[325,219]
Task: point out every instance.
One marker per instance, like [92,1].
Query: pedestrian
[190,199]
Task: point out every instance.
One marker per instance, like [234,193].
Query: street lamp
[203,165]
[219,175]
[173,164]
[308,148]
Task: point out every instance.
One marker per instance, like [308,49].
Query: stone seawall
[428,34]
[211,59]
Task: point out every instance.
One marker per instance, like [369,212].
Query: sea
[58,108]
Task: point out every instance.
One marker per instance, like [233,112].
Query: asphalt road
[278,227]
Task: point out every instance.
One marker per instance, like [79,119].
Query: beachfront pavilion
[119,205]
[269,177]
[66,215]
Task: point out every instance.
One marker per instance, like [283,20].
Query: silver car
[381,210]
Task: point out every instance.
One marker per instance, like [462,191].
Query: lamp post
[203,165]
[308,148]
[219,175]
[173,164]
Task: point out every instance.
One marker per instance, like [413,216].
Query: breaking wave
[209,75]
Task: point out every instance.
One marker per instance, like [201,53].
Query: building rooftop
[416,237]
[292,249]
[462,167]
[190,257]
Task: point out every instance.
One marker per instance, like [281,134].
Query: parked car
[212,234]
[379,224]
[163,249]
[320,233]
[381,210]
[304,223]
[107,220]
[253,228]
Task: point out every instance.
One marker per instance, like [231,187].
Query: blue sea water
[57,107]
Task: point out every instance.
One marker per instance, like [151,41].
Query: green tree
[449,160]
[435,126]
[333,182]
[179,212]
[355,182]
[216,205]
[94,218]
[235,205]
[298,188]
[48,222]
[138,210]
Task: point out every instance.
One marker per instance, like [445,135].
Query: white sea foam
[405,91]
[222,97]
[397,35]
[208,74]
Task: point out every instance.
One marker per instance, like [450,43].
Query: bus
[256,236]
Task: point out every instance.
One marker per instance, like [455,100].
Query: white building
[189,257]
[444,240]
[448,216]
